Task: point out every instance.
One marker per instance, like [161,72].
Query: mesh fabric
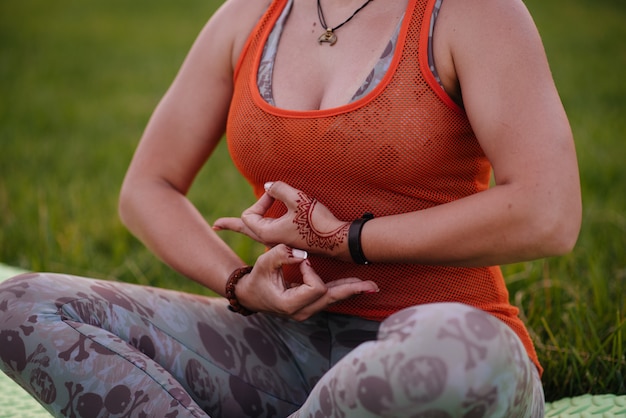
[403,147]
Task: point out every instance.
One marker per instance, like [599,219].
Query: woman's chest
[312,75]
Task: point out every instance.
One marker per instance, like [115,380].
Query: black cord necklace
[329,36]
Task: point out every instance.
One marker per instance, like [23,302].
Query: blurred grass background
[78,81]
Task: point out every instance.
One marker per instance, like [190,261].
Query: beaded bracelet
[234,305]
[354,239]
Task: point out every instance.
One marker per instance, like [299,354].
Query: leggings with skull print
[93,348]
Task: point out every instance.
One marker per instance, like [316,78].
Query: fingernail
[369,292]
[267,186]
[299,253]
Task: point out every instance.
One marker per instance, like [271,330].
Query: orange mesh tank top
[403,147]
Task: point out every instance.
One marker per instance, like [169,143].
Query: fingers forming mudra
[308,224]
[264,289]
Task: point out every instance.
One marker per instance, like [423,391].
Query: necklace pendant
[327,37]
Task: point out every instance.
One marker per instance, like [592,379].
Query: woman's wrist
[230,291]
[354,239]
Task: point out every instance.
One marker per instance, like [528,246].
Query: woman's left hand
[308,224]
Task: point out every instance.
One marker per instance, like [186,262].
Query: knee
[465,338]
[420,320]
[27,295]
[14,289]
[459,347]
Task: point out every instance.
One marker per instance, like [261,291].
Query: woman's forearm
[497,226]
[171,227]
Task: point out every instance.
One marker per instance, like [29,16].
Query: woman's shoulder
[238,13]
[473,19]
[235,19]
[477,31]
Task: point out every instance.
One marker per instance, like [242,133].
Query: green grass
[78,81]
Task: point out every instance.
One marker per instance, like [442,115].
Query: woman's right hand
[264,289]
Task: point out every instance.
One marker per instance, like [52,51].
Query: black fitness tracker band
[354,238]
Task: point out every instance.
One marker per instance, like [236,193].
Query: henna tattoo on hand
[313,236]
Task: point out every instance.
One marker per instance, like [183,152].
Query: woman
[368,131]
